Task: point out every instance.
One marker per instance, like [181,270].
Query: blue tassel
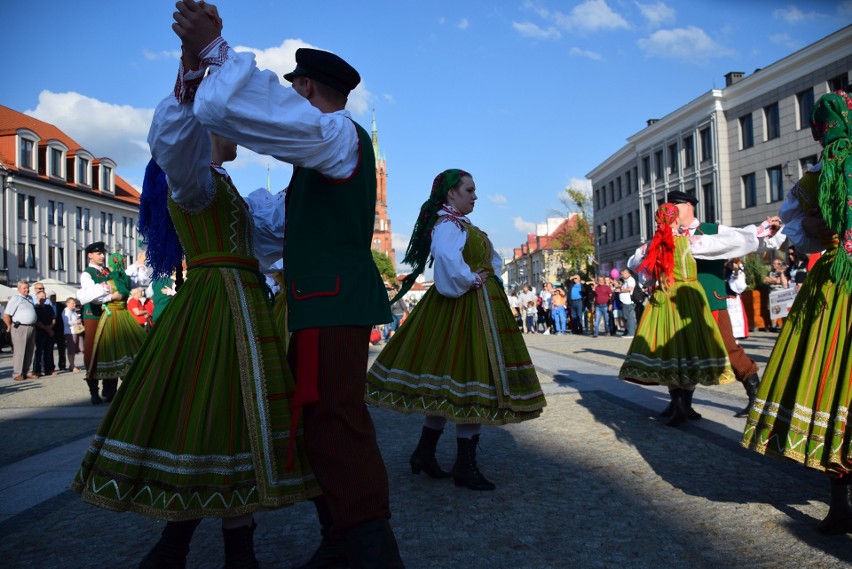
[164,253]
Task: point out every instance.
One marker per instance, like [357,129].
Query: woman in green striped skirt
[801,411]
[459,355]
[677,343]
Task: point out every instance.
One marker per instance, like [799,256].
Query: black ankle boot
[239,547]
[423,457]
[372,545]
[110,389]
[331,553]
[667,412]
[678,408]
[93,391]
[465,471]
[750,384]
[691,413]
[839,518]
[170,552]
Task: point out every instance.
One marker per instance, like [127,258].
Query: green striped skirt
[117,341]
[459,358]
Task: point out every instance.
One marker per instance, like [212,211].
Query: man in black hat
[94,292]
[335,293]
[711,275]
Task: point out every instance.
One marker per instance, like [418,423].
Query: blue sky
[527,95]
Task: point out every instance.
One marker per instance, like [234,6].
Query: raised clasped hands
[197,24]
[774,224]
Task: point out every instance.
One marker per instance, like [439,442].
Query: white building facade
[736,149]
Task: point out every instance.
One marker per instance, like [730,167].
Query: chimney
[733,77]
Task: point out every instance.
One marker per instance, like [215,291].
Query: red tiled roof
[11,120]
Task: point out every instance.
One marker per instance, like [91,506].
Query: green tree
[386,269]
[577,240]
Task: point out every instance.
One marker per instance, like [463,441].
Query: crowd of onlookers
[603,306]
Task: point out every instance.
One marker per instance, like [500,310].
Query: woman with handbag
[460,356]
[73,330]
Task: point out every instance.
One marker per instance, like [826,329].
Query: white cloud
[498,199]
[166,54]
[784,39]
[106,130]
[530,30]
[690,43]
[657,14]
[591,16]
[792,15]
[524,227]
[282,59]
[593,55]
[463,24]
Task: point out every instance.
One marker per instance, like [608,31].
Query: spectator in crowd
[616,318]
[43,363]
[576,297]
[558,310]
[589,305]
[399,311]
[603,301]
[527,296]
[72,324]
[544,298]
[777,280]
[136,306]
[20,317]
[58,340]
[514,304]
[628,307]
[37,288]
[531,314]
[735,285]
[797,268]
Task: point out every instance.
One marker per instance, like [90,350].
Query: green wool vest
[93,311]
[329,270]
[711,274]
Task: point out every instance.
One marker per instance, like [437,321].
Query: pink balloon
[614,273]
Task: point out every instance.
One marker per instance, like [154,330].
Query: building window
[628,181]
[636,221]
[597,198]
[620,227]
[709,201]
[22,206]
[776,183]
[60,258]
[618,186]
[81,260]
[51,212]
[31,263]
[22,255]
[60,214]
[839,83]
[612,192]
[805,103]
[750,190]
[79,217]
[673,159]
[56,162]
[51,258]
[808,162]
[706,145]
[746,132]
[649,219]
[82,171]
[26,158]
[646,170]
[688,153]
[31,208]
[106,177]
[658,164]
[86,217]
[109,223]
[773,121]
[603,196]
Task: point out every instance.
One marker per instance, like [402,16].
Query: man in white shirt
[545,295]
[626,298]
[524,299]
[20,318]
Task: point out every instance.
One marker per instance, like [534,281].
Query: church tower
[382,236]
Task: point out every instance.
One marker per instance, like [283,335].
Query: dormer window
[26,160]
[83,167]
[105,171]
[106,178]
[55,158]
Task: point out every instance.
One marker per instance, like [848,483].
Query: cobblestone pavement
[596,482]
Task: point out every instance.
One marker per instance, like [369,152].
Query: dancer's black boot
[331,553]
[372,545]
[465,471]
[839,518]
[93,391]
[750,384]
[678,408]
[170,552]
[691,413]
[109,390]
[239,547]
[423,457]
